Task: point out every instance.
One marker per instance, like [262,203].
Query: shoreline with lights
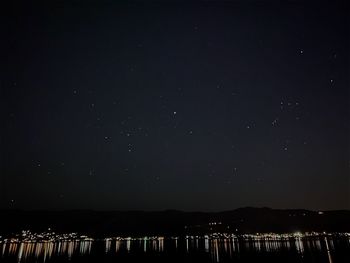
[45,245]
[51,236]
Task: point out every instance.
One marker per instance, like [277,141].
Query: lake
[181,249]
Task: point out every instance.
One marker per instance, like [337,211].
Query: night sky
[203,106]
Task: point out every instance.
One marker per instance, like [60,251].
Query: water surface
[190,249]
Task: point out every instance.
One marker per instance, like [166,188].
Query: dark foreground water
[192,249]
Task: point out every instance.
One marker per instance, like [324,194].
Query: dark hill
[109,223]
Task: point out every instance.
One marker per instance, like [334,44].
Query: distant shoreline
[171,222]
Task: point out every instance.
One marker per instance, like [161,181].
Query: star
[129,147]
[274,122]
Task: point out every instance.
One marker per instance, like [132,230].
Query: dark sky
[201,105]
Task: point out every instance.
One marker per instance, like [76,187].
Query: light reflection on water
[215,247]
[45,250]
